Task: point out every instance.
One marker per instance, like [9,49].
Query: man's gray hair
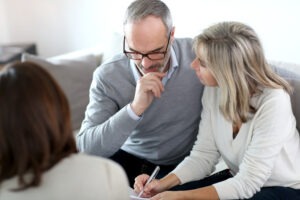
[140,9]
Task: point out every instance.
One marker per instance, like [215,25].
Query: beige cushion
[74,76]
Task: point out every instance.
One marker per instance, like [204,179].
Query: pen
[153,175]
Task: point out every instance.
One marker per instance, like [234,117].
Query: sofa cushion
[74,76]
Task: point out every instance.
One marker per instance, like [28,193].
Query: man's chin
[150,71]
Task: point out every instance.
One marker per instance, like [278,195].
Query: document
[134,196]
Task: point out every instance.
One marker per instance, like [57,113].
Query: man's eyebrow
[152,51]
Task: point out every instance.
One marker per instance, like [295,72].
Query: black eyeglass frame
[142,55]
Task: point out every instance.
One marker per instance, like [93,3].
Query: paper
[133,195]
[137,198]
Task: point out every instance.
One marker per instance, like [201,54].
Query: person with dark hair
[247,119]
[38,155]
[144,107]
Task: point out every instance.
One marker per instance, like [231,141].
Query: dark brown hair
[35,126]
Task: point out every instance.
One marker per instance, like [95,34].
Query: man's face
[148,41]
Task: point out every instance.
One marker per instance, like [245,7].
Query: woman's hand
[150,190]
[155,186]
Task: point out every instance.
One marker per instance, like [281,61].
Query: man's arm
[107,125]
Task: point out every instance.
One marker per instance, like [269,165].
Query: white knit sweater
[265,152]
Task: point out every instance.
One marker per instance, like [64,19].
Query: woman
[247,119]
[38,156]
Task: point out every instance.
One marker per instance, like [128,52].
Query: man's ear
[172,33]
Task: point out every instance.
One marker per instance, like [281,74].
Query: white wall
[56,26]
[277,22]
[59,26]
[3,23]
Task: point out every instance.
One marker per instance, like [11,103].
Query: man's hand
[148,87]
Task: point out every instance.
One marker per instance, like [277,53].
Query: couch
[73,71]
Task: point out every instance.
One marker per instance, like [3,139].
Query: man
[145,104]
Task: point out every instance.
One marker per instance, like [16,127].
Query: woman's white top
[77,177]
[265,152]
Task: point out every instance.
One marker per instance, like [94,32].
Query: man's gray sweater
[168,128]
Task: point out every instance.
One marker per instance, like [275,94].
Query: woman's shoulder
[96,172]
[95,177]
[273,93]
[89,161]
[271,96]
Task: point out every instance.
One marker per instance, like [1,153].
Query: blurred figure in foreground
[38,156]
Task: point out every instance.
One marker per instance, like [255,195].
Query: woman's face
[203,73]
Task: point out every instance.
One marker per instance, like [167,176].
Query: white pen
[153,175]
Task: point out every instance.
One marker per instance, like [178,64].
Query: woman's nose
[194,65]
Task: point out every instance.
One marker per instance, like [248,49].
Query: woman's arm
[208,192]
[155,186]
[158,186]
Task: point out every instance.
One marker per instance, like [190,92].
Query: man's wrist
[138,111]
[132,114]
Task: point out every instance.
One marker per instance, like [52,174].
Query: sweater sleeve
[104,121]
[273,124]
[204,155]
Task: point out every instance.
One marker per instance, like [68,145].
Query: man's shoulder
[183,43]
[183,50]
[112,65]
[118,59]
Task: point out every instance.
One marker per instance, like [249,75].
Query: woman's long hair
[233,53]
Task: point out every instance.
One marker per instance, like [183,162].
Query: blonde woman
[247,119]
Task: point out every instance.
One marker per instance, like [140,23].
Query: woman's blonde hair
[233,53]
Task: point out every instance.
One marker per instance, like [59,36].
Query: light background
[61,26]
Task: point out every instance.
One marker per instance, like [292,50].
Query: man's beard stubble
[161,67]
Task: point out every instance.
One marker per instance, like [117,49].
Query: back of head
[234,54]
[140,9]
[35,127]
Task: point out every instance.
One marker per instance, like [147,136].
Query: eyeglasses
[135,55]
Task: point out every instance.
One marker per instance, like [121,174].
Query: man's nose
[146,62]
